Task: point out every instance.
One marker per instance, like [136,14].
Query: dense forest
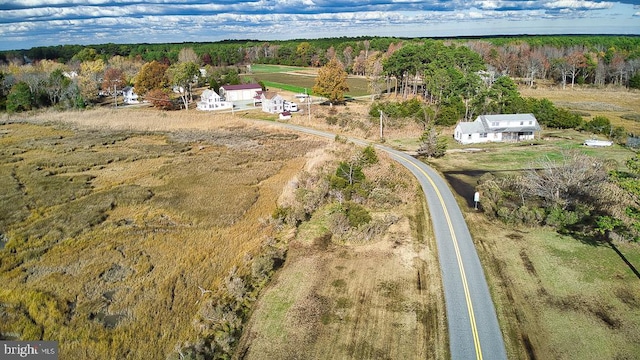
[458,73]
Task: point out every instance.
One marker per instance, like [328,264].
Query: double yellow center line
[465,285]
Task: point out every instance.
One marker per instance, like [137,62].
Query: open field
[355,299]
[617,104]
[358,86]
[122,209]
[115,218]
[557,297]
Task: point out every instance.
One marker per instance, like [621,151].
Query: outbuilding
[239,92]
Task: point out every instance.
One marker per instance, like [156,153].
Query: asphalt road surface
[474,332]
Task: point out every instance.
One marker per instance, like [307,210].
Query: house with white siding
[210,100]
[271,102]
[497,128]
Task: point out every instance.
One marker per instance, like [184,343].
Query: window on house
[521,123]
[495,123]
[530,122]
[483,135]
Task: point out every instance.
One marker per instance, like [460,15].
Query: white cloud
[578,4]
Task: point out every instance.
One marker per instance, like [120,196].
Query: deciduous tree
[331,82]
[151,76]
[182,76]
[566,182]
[113,80]
[56,86]
[89,78]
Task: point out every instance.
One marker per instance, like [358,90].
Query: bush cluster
[221,317]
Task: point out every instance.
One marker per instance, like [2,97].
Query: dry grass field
[617,104]
[114,219]
[355,299]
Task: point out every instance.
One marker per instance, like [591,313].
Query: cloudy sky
[28,23]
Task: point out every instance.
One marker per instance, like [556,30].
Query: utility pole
[115,91]
[381,133]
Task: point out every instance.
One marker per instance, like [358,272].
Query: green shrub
[356,214]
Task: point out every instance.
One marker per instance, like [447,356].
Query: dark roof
[241,87]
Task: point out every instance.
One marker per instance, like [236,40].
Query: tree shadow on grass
[624,258]
[600,241]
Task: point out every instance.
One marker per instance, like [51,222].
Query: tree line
[458,75]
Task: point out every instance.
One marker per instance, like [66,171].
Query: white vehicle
[290,106]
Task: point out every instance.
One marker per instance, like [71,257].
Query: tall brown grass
[116,219]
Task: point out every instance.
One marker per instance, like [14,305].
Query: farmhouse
[130,97]
[210,100]
[239,92]
[272,102]
[505,127]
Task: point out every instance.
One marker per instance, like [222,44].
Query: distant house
[210,100]
[272,102]
[130,97]
[496,128]
[239,92]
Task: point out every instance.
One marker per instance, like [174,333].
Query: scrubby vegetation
[574,193]
[108,236]
[347,195]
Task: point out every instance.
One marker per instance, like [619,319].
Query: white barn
[497,128]
[239,92]
[210,100]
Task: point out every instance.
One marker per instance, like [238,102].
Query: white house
[504,127]
[130,97]
[272,102]
[210,100]
[239,92]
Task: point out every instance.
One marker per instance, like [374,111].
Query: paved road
[474,332]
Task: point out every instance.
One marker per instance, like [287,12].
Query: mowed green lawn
[292,79]
[557,297]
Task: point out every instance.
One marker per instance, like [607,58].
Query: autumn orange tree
[151,76]
[113,79]
[331,82]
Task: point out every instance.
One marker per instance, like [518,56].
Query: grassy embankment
[114,219]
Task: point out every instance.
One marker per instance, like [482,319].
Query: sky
[28,23]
